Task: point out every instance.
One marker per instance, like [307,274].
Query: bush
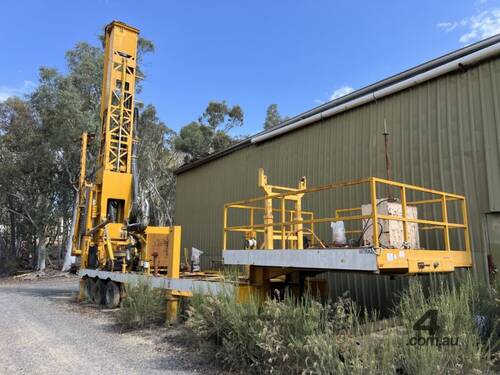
[303,336]
[9,266]
[291,336]
[467,316]
[142,306]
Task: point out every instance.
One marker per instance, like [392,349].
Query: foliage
[142,306]
[156,160]
[305,336]
[282,337]
[211,132]
[40,156]
[459,310]
[273,117]
[29,178]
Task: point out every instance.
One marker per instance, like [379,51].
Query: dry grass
[142,306]
[307,337]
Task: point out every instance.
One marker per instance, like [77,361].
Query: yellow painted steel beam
[343,210]
[246,207]
[444,213]
[432,201]
[316,221]
[309,190]
[374,215]
[421,221]
[416,188]
[403,209]
[224,229]
[466,230]
[422,261]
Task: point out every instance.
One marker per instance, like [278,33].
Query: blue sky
[293,53]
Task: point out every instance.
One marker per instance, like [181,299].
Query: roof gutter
[186,167]
[452,61]
[456,64]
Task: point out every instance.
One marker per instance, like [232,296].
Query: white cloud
[23,89]
[341,91]
[480,26]
[447,26]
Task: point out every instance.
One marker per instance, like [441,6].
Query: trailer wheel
[89,287]
[98,292]
[112,295]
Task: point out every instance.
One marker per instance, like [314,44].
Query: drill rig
[281,247]
[111,231]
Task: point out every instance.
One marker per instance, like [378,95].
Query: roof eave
[387,82]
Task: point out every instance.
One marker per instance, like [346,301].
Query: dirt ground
[44,331]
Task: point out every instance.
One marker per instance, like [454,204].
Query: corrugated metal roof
[390,81]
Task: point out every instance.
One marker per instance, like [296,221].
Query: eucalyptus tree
[273,117]
[211,132]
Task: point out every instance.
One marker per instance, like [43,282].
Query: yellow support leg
[172,308]
[81,290]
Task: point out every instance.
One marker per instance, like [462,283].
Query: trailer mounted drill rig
[275,242]
[111,231]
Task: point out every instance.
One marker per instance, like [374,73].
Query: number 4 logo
[432,327]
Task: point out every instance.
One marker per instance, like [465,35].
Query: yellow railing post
[466,229]
[444,210]
[283,220]
[224,231]
[313,236]
[299,219]
[373,191]
[403,208]
[268,224]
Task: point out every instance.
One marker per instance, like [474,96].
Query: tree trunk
[69,259]
[34,246]
[41,253]
[13,239]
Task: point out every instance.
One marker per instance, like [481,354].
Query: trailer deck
[360,259]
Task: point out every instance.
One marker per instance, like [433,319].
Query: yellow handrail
[284,227]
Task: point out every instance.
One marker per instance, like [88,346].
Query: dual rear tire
[101,292]
[112,295]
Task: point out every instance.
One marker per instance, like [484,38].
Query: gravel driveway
[43,332]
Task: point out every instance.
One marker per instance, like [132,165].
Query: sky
[297,54]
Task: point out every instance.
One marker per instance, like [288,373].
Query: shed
[444,120]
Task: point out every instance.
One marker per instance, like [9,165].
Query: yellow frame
[389,260]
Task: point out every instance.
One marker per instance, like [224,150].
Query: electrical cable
[365,228]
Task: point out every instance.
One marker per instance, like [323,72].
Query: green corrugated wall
[445,134]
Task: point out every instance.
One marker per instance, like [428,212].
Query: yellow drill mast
[108,233]
[114,177]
